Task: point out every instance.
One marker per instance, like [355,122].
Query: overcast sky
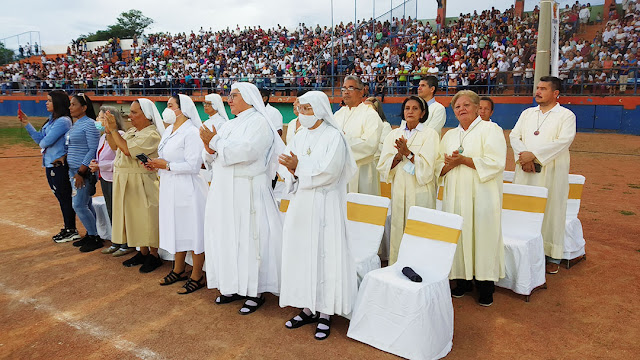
[60,21]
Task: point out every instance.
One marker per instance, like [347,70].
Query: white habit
[183,192]
[551,148]
[275,117]
[317,269]
[362,127]
[407,189]
[243,228]
[216,121]
[476,195]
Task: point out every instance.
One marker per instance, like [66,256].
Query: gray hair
[475,99]
[116,114]
[354,78]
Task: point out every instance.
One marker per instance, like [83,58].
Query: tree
[129,24]
[6,55]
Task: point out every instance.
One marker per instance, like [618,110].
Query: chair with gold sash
[574,242]
[412,319]
[522,214]
[507,176]
[383,253]
[366,217]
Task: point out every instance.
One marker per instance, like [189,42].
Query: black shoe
[485,299]
[462,287]
[66,235]
[93,244]
[137,259]
[82,241]
[150,263]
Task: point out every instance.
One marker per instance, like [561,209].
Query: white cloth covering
[151,112]
[217,105]
[476,195]
[243,228]
[189,110]
[362,127]
[183,191]
[557,129]
[291,130]
[317,268]
[409,319]
[523,246]
[418,189]
[275,117]
[103,223]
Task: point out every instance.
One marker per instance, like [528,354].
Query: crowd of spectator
[489,52]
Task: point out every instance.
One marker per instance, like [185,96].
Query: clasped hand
[154,164]
[526,159]
[401,146]
[454,159]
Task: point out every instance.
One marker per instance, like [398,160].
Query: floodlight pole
[543,53]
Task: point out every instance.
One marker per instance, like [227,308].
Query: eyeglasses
[304,108]
[232,96]
[350,88]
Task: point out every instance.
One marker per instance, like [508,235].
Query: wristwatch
[168,168]
[410,156]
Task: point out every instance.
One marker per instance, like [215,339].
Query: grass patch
[634,186]
[627,213]
[15,135]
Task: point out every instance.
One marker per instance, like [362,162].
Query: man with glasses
[362,127]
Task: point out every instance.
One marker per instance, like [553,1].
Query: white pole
[543,53]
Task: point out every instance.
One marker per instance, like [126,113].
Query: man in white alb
[361,126]
[540,142]
[437,113]
[274,115]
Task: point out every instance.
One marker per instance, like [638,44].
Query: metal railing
[576,82]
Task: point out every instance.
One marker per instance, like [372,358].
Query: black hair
[432,81]
[60,101]
[556,84]
[177,98]
[266,93]
[85,101]
[486,98]
[423,107]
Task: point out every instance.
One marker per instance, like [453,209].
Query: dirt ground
[58,303]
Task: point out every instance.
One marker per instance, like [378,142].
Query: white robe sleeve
[253,145]
[425,159]
[366,145]
[322,169]
[193,148]
[386,158]
[549,151]
[494,154]
[290,182]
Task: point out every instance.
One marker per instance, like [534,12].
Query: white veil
[151,112]
[217,104]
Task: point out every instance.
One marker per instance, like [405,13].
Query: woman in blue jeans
[82,144]
[51,139]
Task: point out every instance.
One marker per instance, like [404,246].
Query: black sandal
[192,285]
[306,319]
[173,277]
[326,332]
[222,299]
[252,308]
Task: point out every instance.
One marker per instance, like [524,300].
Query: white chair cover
[507,176]
[383,253]
[574,242]
[103,223]
[366,218]
[522,214]
[405,318]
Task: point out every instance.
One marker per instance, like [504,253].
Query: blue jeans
[82,203]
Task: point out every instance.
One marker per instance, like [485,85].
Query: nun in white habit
[318,273]
[243,228]
[183,192]
[214,107]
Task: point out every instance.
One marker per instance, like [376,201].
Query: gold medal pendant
[308,151]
